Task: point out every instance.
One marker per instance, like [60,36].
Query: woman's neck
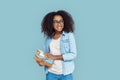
[57,35]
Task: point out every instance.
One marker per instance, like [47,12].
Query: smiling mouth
[59,27]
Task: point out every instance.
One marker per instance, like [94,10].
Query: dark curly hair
[47,22]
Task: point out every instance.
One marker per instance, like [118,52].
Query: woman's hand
[50,56]
[41,62]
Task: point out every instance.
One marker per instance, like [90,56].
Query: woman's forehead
[58,17]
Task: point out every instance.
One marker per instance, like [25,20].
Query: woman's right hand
[40,62]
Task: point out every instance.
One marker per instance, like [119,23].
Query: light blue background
[97,36]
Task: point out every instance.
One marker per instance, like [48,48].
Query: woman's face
[58,23]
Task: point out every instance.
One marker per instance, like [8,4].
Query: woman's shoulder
[47,39]
[68,33]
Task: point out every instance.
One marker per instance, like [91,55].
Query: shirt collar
[63,33]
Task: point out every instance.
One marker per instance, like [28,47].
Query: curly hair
[47,23]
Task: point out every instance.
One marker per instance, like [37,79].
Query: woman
[59,45]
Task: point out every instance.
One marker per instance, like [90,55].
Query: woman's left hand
[48,55]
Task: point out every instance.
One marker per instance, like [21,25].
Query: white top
[55,50]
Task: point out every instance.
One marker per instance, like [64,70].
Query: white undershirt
[55,50]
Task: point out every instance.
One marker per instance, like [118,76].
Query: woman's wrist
[58,57]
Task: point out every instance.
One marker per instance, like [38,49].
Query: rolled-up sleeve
[72,49]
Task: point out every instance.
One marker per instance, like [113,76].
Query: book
[48,62]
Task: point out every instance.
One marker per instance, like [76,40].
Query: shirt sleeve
[46,43]
[73,53]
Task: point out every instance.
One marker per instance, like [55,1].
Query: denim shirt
[68,51]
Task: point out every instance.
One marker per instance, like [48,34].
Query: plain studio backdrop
[97,34]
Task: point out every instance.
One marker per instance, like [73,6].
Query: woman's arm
[53,57]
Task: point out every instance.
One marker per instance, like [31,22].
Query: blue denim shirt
[68,51]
